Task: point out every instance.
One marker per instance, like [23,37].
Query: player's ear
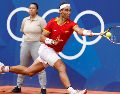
[60,11]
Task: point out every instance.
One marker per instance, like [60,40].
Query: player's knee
[28,73]
[62,68]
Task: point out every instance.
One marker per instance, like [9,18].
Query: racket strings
[115,35]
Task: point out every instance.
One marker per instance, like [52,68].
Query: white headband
[64,5]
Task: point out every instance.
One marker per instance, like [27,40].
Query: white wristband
[87,33]
[49,41]
[6,69]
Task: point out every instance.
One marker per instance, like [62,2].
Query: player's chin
[67,17]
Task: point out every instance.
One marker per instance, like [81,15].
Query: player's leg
[41,75]
[25,57]
[15,69]
[36,67]
[50,56]
[60,67]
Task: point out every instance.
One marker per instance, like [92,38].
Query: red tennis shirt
[64,31]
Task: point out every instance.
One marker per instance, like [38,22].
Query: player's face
[33,9]
[65,12]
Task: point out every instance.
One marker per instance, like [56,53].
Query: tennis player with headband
[54,37]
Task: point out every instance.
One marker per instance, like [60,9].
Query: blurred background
[94,65]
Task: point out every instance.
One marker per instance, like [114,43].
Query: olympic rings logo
[84,42]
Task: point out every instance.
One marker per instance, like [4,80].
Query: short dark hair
[35,5]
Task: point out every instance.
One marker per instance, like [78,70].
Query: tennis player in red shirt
[54,37]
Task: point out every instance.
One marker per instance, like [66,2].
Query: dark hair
[35,5]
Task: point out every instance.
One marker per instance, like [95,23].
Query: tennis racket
[115,34]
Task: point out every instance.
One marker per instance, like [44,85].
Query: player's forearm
[82,31]
[85,32]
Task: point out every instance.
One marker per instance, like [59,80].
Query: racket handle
[96,34]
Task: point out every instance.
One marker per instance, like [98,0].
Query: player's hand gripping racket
[112,34]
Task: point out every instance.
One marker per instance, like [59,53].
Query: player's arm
[82,31]
[44,38]
[45,35]
[46,32]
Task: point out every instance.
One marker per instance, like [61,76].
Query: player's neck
[61,20]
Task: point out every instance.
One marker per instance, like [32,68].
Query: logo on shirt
[54,30]
[66,31]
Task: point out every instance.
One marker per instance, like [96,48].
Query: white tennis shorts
[47,55]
